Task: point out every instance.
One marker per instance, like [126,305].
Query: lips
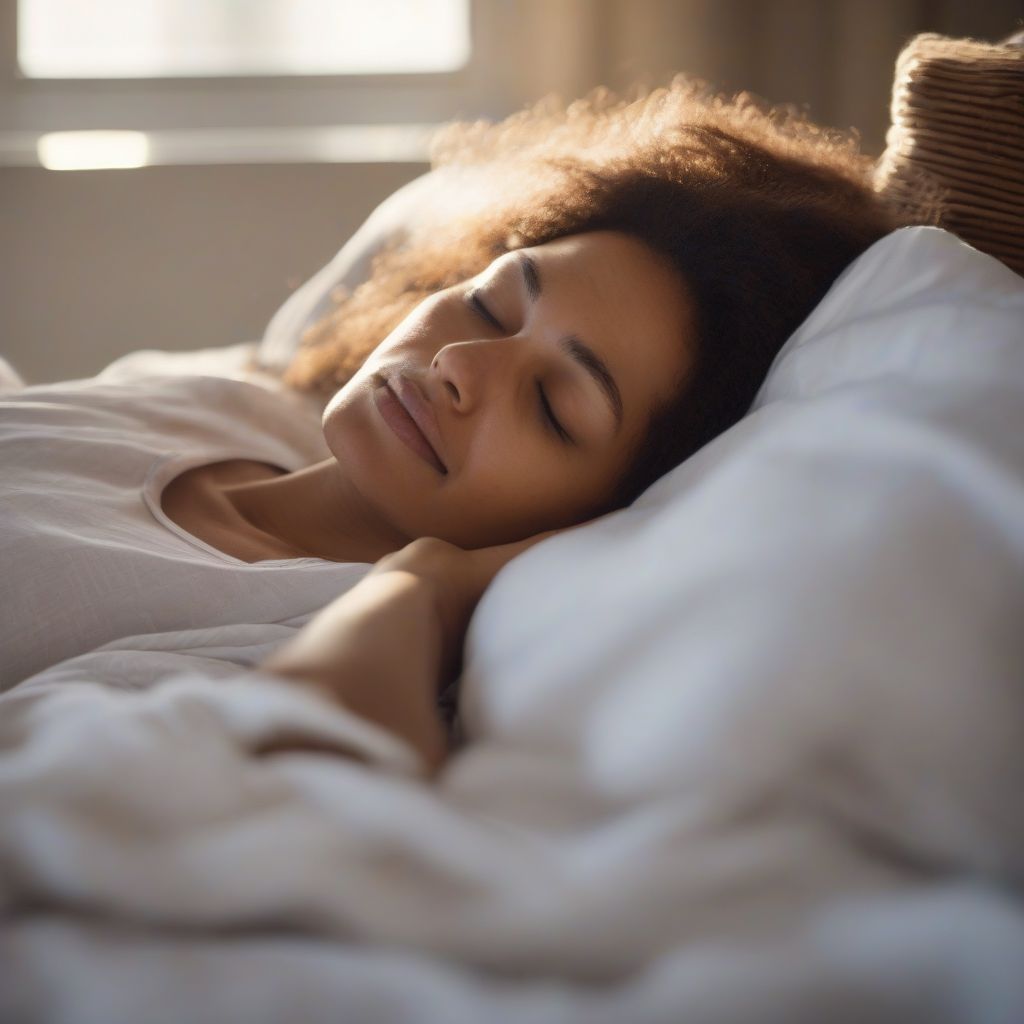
[410,417]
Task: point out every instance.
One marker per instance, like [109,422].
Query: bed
[749,750]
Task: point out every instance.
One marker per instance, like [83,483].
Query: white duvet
[751,750]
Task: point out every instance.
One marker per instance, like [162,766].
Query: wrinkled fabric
[87,554]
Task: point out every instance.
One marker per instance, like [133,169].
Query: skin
[476,355]
[424,593]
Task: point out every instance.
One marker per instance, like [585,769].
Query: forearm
[381,657]
[384,649]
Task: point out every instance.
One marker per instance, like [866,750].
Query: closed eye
[476,303]
[547,413]
[550,417]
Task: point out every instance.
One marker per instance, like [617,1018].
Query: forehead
[625,302]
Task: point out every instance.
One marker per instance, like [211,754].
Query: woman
[613,306]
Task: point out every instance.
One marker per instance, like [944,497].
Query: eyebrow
[578,349]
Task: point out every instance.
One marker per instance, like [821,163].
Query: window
[209,81]
[208,38]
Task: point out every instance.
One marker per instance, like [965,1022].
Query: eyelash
[483,312]
[547,412]
[550,416]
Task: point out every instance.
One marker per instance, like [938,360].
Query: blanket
[749,750]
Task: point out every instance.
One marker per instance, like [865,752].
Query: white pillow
[824,607]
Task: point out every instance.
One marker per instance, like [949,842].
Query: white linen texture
[85,547]
[749,750]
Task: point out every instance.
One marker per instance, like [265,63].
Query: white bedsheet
[748,751]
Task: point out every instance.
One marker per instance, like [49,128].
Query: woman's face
[511,403]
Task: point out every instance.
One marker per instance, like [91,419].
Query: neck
[317,512]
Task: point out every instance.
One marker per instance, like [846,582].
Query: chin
[349,435]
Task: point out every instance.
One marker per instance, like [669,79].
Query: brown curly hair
[757,208]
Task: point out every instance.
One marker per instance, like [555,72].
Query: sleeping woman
[612,307]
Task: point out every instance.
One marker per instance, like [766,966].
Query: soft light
[79,151]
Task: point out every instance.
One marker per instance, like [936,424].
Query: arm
[385,649]
[377,652]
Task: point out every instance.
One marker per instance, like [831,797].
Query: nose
[466,370]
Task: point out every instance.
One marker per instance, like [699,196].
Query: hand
[429,577]
[456,579]
[386,648]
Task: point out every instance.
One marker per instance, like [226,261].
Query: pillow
[820,610]
[955,150]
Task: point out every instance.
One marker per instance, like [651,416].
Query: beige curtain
[834,56]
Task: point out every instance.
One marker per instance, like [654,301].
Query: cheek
[524,484]
[504,462]
[401,493]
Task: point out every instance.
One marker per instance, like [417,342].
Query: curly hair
[757,208]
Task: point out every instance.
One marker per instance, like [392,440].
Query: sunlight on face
[512,403]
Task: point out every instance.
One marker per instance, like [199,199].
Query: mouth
[405,410]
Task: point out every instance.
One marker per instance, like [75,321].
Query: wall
[97,263]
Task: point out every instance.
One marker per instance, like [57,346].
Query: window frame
[176,103]
[236,18]
[518,52]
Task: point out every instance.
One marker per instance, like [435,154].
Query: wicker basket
[955,150]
